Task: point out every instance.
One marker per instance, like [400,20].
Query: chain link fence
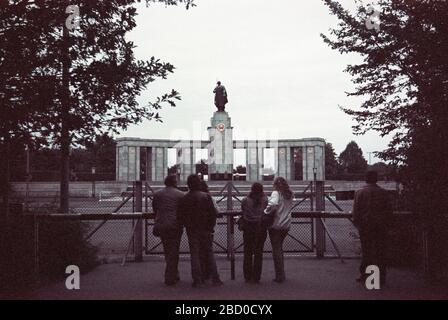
[301,237]
[321,233]
[111,237]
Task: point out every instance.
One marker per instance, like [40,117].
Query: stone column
[282,164]
[251,162]
[261,147]
[220,149]
[123,163]
[159,163]
[309,164]
[134,164]
[319,162]
[289,164]
[128,165]
[314,157]
[149,156]
[185,159]
[117,163]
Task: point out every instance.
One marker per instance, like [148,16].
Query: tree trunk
[65,131]
[6,175]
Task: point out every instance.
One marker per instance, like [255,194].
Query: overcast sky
[282,80]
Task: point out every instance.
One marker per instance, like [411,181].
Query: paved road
[307,278]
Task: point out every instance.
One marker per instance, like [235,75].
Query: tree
[404,78]
[385,171]
[20,87]
[351,160]
[102,153]
[331,164]
[44,164]
[85,80]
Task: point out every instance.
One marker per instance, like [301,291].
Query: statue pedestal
[220,150]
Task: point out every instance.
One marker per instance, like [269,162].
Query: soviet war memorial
[233,153]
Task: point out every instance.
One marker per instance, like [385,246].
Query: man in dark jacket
[197,213]
[372,213]
[165,207]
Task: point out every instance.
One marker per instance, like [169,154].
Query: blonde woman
[279,205]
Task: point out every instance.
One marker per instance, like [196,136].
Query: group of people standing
[196,212]
[261,215]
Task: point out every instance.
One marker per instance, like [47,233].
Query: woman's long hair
[282,186]
[256,193]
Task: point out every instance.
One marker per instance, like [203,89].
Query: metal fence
[122,230]
[120,235]
[300,239]
[44,202]
[320,225]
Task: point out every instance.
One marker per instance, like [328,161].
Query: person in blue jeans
[279,205]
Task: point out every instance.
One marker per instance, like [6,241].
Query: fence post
[229,197]
[425,249]
[230,231]
[36,250]
[320,231]
[138,235]
[232,248]
[146,196]
[312,196]
[229,218]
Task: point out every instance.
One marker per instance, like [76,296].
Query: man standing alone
[372,213]
[197,213]
[167,227]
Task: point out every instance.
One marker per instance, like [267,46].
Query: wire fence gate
[321,226]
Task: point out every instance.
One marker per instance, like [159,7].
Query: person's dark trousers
[171,243]
[194,242]
[201,244]
[277,237]
[204,267]
[374,250]
[254,237]
[207,257]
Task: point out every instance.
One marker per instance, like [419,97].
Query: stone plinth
[220,149]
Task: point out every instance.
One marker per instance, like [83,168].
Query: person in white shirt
[279,205]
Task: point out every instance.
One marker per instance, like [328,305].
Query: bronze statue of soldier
[220,97]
